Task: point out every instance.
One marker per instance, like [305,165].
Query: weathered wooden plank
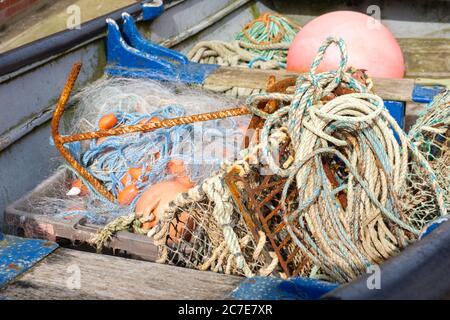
[108,277]
[389,89]
[426,58]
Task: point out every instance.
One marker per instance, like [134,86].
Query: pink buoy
[370,45]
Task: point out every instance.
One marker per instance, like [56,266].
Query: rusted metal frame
[59,140]
[229,178]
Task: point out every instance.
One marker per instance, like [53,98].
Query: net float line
[60,140]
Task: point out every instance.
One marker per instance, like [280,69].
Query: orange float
[133,175]
[77,188]
[107,121]
[155,199]
[128,194]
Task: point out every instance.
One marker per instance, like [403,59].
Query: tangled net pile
[338,224]
[262,44]
[431,136]
[109,159]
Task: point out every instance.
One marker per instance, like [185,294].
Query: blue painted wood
[18,255]
[133,37]
[433,226]
[139,58]
[397,110]
[152,9]
[425,94]
[269,288]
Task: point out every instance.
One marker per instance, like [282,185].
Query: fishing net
[134,162]
[319,190]
[431,136]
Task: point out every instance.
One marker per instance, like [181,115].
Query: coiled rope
[357,133]
[357,130]
[269,37]
[262,44]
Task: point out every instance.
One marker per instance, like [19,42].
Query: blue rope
[110,159]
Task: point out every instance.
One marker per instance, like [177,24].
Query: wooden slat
[108,277]
[389,89]
[426,58]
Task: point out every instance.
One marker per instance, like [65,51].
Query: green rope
[269,36]
[124,223]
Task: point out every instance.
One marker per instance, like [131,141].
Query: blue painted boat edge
[18,255]
[131,55]
[397,111]
[270,288]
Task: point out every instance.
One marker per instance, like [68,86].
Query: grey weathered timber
[107,277]
[389,89]
[426,58]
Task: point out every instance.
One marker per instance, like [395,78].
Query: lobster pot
[259,197]
[192,237]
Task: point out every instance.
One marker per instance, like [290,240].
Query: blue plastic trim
[135,40]
[432,226]
[140,58]
[269,288]
[152,10]
[425,94]
[397,110]
[18,255]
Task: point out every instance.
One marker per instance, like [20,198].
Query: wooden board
[426,58]
[108,277]
[388,89]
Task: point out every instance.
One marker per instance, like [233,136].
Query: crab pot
[195,240]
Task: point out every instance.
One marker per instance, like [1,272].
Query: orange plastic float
[133,175]
[157,197]
[128,194]
[77,188]
[370,45]
[107,121]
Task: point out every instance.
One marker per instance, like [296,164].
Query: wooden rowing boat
[40,68]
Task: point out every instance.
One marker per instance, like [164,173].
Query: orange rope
[167,123]
[266,18]
[59,140]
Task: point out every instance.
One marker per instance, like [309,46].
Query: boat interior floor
[70,274]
